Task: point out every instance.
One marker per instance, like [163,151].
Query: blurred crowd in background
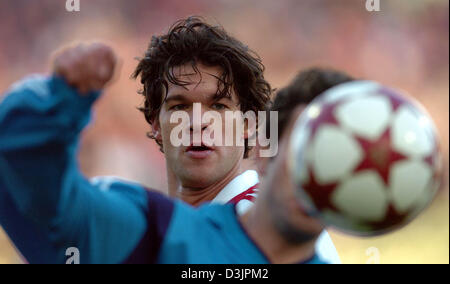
[405,45]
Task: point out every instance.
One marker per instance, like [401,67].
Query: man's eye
[178,107]
[218,106]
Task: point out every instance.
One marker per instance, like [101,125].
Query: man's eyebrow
[175,98]
[217,98]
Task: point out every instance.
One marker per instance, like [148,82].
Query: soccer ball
[365,159]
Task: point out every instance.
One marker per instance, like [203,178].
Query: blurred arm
[46,205]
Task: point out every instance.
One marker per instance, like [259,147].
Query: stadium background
[406,45]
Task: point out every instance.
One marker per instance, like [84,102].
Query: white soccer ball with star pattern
[365,158]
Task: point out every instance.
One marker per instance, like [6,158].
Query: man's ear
[250,126]
[156,131]
[261,162]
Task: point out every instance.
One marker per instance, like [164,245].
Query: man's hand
[87,67]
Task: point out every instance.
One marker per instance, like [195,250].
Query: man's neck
[198,195]
[259,226]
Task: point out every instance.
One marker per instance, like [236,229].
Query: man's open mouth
[198,148]
[199,152]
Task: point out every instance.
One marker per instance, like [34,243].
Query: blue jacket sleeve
[46,205]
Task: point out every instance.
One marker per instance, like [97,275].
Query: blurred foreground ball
[365,158]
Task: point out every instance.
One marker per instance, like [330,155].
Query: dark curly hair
[193,41]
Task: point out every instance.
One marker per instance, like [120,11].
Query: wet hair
[193,41]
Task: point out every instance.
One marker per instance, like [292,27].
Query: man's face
[288,214]
[198,167]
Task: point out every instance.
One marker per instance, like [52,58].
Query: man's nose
[202,127]
[196,119]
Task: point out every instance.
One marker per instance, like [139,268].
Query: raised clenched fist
[87,67]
